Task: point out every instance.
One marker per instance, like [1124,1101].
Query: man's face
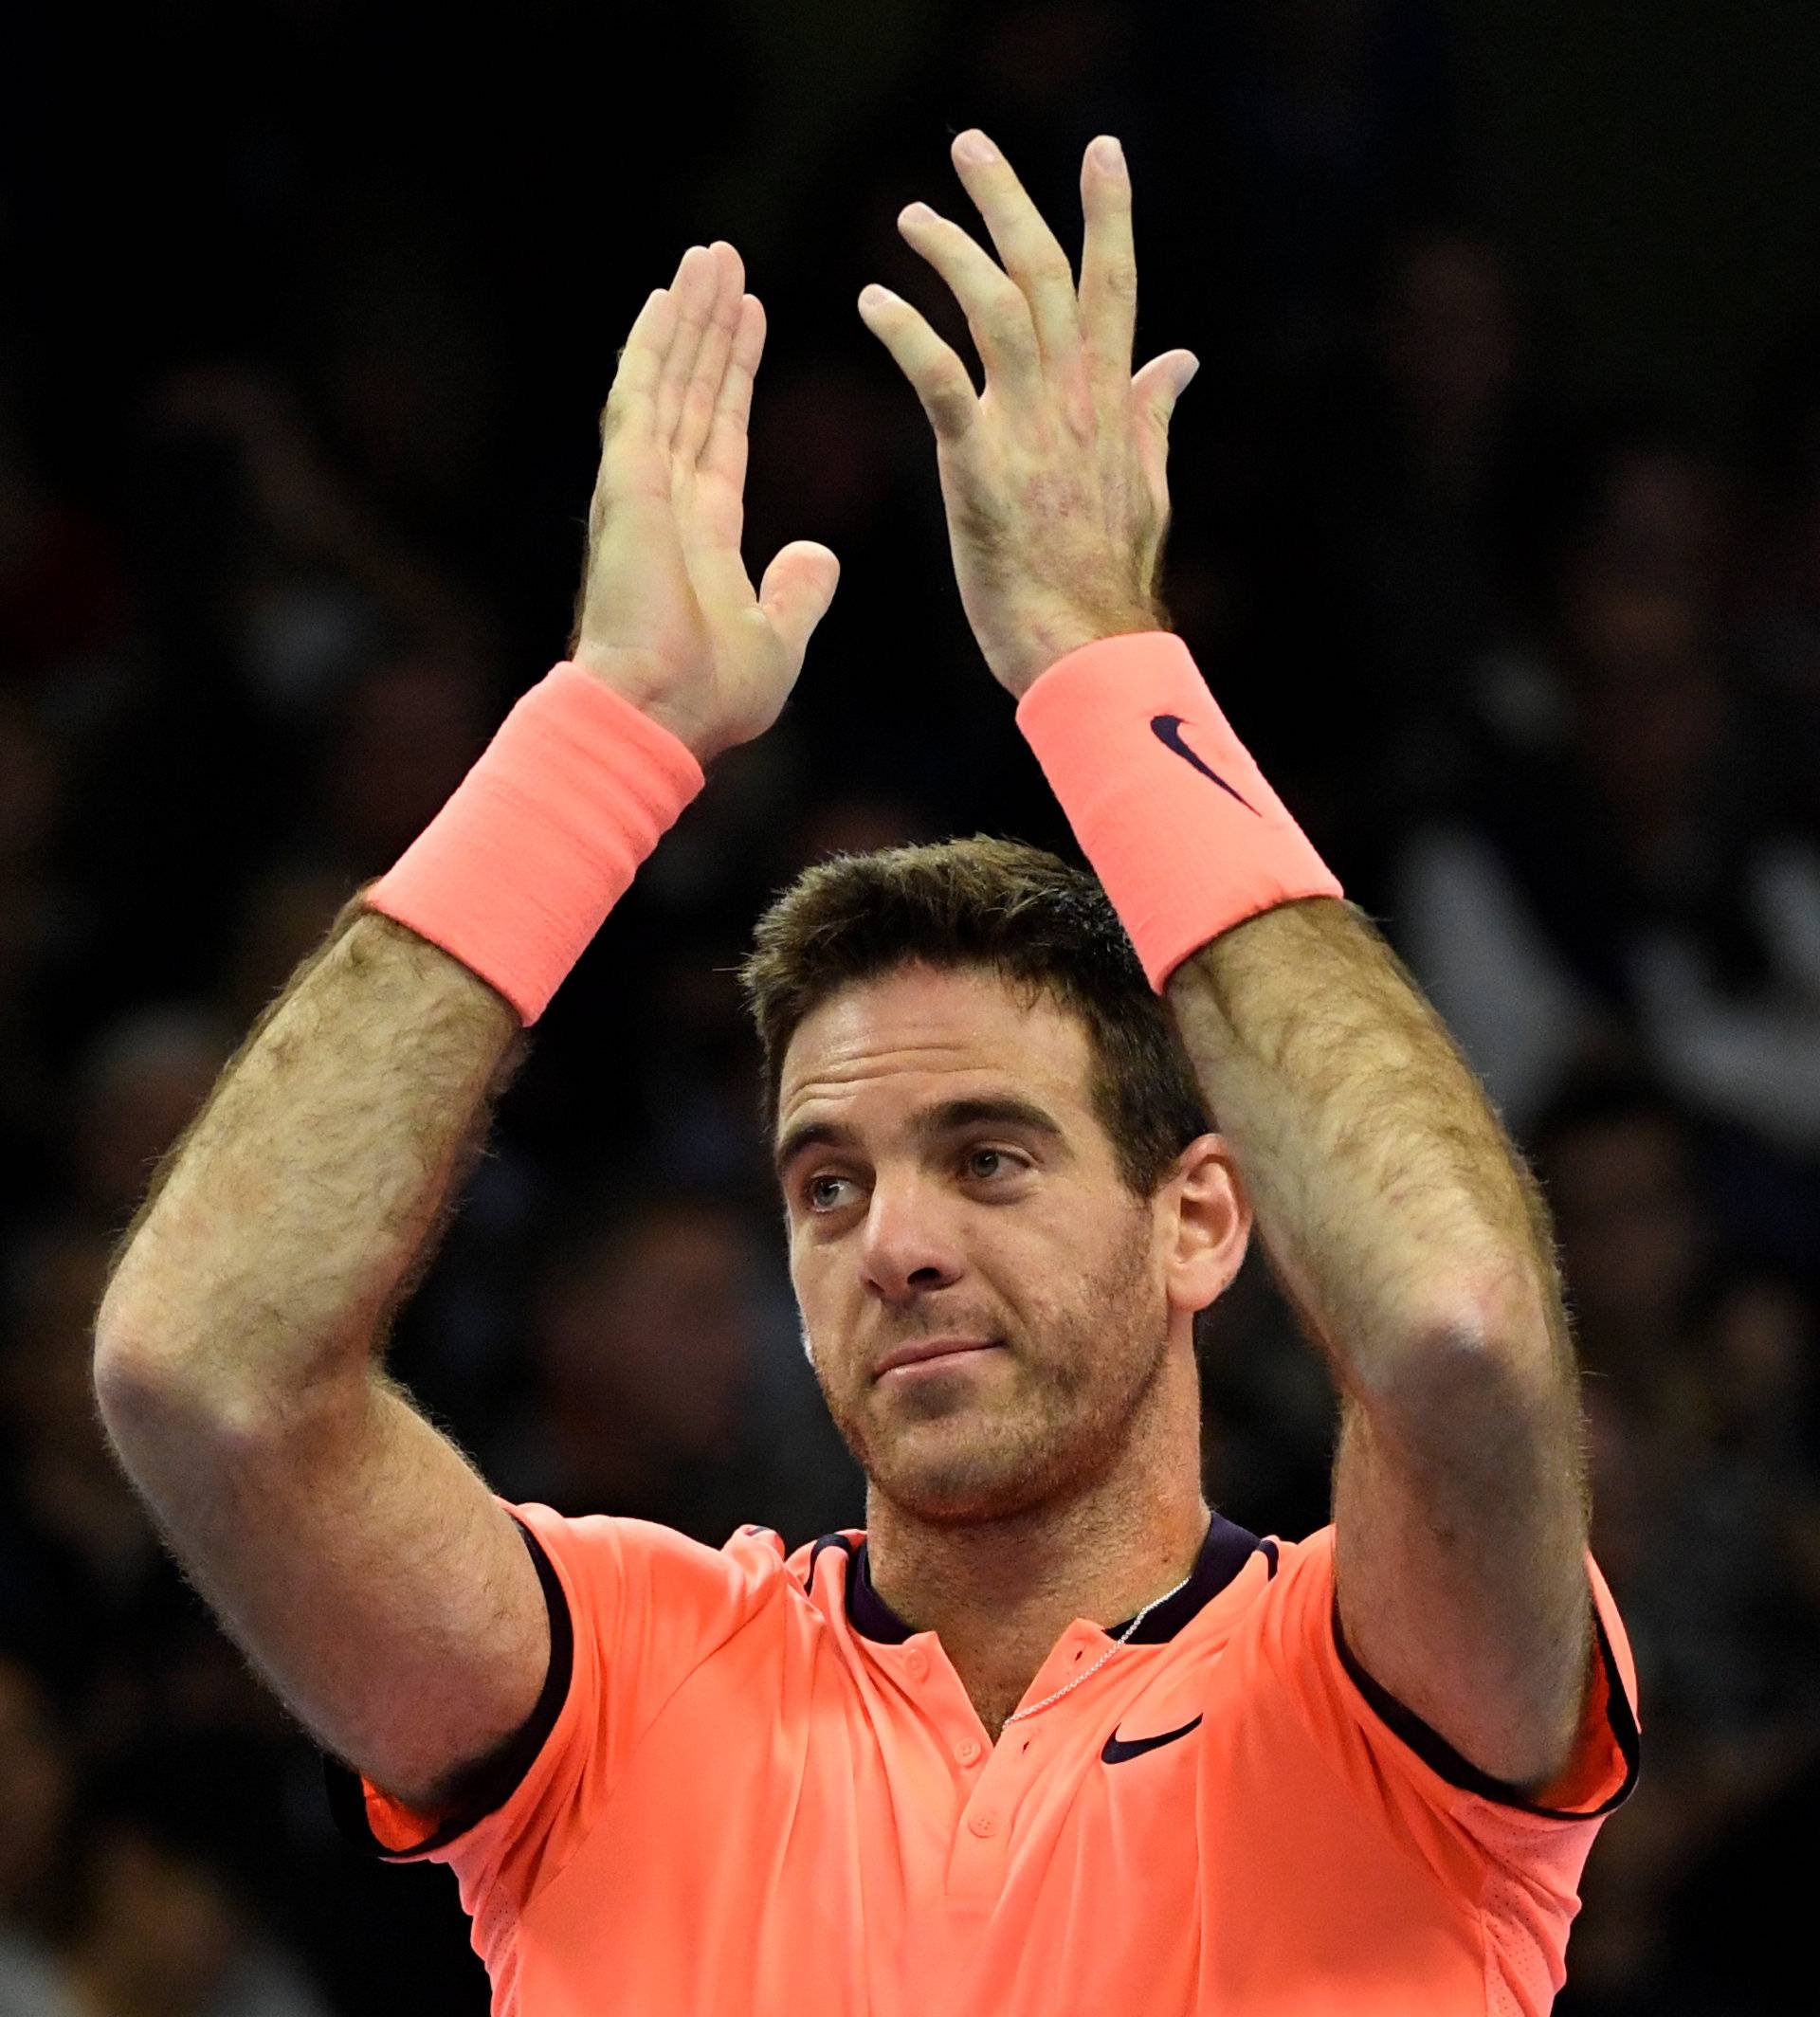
[922,1210]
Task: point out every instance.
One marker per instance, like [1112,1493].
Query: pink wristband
[1185,835]
[542,837]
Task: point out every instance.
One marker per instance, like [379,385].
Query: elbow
[152,1424]
[151,1387]
[128,1359]
[135,1369]
[163,1346]
[141,1392]
[1506,1319]
[1498,1361]
[120,1371]
[165,1413]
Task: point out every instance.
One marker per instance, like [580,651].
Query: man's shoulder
[593,1550]
[1271,1617]
[1294,1562]
[802,1562]
[1290,1567]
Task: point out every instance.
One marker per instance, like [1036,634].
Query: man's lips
[928,1348]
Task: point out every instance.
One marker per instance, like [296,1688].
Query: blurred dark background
[1498,534]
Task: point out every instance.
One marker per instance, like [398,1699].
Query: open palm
[669,615]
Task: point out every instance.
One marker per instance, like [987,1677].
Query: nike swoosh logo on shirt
[1168,731]
[1119,1749]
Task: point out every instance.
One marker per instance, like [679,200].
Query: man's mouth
[905,1360]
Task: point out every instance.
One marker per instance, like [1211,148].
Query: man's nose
[910,1245]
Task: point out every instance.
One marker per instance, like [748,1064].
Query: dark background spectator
[1496,530]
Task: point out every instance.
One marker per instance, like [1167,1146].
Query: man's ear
[1209,1227]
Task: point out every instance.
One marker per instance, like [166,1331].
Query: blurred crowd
[1540,673]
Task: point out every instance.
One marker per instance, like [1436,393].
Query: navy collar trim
[1225,1551]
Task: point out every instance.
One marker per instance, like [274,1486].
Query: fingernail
[974,148]
[915,213]
[875,296]
[1107,152]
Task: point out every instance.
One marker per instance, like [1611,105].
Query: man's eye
[1005,1163]
[815,1189]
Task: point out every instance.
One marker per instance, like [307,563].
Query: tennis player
[1050,1737]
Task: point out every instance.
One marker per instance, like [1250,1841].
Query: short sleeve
[1511,1857]
[635,1608]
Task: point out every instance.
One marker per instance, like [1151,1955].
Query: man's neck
[999,1594]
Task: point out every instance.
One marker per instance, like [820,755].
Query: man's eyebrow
[810,1134]
[1004,1110]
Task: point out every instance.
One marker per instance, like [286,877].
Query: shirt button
[917,1662]
[967,1750]
[983,1825]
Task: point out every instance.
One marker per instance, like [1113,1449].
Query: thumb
[1159,385]
[798,586]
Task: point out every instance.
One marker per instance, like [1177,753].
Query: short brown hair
[1015,911]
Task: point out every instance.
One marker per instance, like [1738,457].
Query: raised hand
[1054,476]
[667,614]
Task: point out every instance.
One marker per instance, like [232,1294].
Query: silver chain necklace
[1017,1716]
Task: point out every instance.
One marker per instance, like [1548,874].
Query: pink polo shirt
[751,1790]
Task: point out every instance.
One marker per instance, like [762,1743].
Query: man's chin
[957,1486]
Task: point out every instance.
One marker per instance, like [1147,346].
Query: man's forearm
[305,1199]
[1388,1196]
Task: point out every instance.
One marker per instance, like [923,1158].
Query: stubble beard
[1053,1429]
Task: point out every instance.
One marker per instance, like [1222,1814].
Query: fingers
[722,462]
[995,307]
[701,394]
[713,511]
[1032,256]
[631,401]
[936,375]
[1108,266]
[695,290]
[714,518]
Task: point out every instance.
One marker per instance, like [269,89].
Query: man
[1050,1737]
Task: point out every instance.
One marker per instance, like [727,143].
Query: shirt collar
[1224,1553]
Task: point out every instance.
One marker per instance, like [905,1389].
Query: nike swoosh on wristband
[1168,731]
[1119,1749]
